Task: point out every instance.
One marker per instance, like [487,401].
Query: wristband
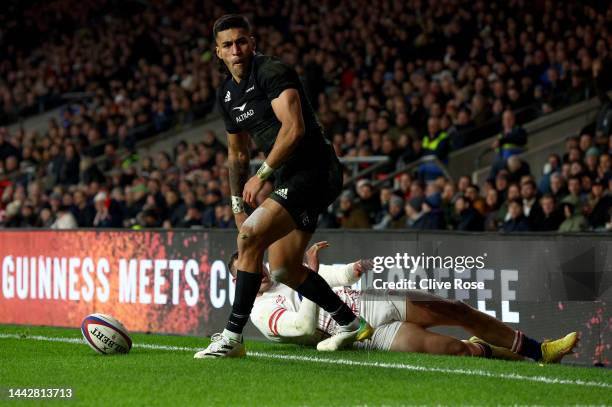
[237,204]
[264,171]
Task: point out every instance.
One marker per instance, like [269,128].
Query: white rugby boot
[222,347]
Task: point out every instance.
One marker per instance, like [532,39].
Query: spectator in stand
[599,204]
[107,214]
[405,185]
[557,187]
[461,129]
[350,215]
[176,207]
[472,192]
[447,205]
[517,169]
[517,221]
[192,218]
[467,218]
[604,168]
[414,213]
[511,141]
[64,219]
[574,196]
[26,218]
[395,217]
[368,201]
[224,217]
[369,100]
[492,205]
[83,212]
[552,166]
[70,166]
[463,184]
[501,185]
[436,142]
[574,221]
[385,195]
[550,219]
[531,207]
[431,217]
[45,218]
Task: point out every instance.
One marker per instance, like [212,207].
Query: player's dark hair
[231,261]
[226,22]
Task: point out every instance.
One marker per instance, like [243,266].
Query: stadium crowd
[403,79]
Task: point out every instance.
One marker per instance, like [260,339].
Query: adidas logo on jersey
[282,192]
[228,97]
[250,89]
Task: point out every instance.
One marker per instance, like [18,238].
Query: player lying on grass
[400,323]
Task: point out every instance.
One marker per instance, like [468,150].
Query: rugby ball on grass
[105,334]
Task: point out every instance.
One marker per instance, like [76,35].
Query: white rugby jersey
[281,316]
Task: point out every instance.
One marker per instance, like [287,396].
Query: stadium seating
[385,83]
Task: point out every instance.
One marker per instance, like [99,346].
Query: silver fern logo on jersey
[228,97]
[241,107]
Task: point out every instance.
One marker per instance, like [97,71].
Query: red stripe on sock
[276,321]
[271,320]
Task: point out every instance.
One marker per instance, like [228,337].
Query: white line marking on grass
[345,362]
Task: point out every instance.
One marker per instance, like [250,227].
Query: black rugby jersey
[246,107]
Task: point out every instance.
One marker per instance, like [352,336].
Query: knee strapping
[256,218]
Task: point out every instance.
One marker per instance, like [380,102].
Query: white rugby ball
[105,334]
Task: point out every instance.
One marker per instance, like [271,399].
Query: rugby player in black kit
[263,98]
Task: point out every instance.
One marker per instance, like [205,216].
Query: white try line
[344,362]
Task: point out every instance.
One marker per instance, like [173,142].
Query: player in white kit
[400,323]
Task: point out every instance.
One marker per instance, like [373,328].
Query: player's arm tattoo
[238,173]
[238,162]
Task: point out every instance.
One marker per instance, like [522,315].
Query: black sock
[531,348]
[524,345]
[316,289]
[488,352]
[247,287]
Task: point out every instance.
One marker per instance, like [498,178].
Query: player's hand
[251,189]
[312,255]
[362,266]
[239,218]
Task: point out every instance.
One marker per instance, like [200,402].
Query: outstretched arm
[337,275]
[340,275]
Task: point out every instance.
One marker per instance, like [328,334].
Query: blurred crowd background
[401,79]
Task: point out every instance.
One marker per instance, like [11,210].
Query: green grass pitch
[160,371]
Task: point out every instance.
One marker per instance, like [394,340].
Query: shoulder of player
[267,65]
